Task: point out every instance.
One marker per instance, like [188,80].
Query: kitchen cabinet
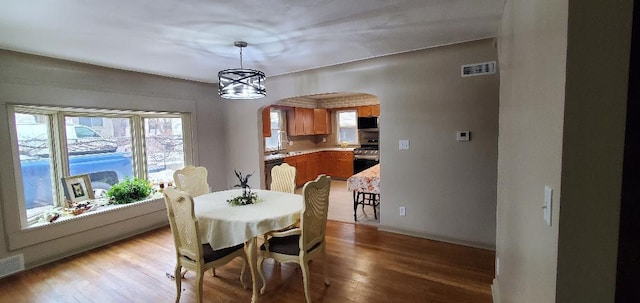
[368,110]
[339,164]
[345,165]
[266,122]
[300,163]
[375,110]
[300,121]
[321,121]
[314,165]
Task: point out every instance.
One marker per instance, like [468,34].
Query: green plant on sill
[128,191]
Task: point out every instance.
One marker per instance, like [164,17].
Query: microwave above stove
[368,123]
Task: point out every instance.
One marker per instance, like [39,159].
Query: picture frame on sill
[78,188]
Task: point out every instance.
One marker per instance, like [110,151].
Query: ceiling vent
[478,69]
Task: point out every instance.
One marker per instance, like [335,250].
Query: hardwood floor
[366,265]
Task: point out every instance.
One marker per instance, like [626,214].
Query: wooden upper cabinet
[375,110]
[321,121]
[266,122]
[368,110]
[300,121]
[364,111]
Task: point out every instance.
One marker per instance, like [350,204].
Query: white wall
[448,187]
[27,79]
[562,97]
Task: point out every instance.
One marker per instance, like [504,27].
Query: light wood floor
[366,265]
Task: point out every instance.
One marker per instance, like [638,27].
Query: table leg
[252,260]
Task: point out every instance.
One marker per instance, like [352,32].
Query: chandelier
[241,83]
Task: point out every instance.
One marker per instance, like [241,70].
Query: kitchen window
[278,136]
[52,144]
[347,126]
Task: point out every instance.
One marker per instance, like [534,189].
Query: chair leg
[355,205]
[326,265]
[178,279]
[375,212]
[199,279]
[213,272]
[305,280]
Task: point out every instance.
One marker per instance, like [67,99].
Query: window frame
[276,131]
[59,151]
[338,127]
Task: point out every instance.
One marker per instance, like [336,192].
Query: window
[34,148]
[164,147]
[347,126]
[107,155]
[278,136]
[90,121]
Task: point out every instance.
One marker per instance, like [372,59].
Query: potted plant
[247,196]
[128,191]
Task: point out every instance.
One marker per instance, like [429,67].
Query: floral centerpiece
[247,196]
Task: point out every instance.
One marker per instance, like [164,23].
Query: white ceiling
[193,39]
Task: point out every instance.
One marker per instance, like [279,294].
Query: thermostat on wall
[463,135]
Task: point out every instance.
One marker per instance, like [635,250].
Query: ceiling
[193,39]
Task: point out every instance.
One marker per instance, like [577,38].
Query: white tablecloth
[223,225]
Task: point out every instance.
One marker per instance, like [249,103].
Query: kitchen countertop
[284,154]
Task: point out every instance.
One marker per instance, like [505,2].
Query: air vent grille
[11,265]
[478,69]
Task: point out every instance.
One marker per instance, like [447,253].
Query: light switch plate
[548,204]
[463,135]
[404,144]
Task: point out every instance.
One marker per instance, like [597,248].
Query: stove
[367,152]
[365,157]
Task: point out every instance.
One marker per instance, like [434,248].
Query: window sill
[98,210]
[69,225]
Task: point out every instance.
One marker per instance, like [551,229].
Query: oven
[268,165]
[361,163]
[367,155]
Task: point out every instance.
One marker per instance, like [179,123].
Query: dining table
[365,186]
[223,225]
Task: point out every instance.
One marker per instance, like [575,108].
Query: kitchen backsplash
[363,99]
[311,142]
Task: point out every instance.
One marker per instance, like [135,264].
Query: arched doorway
[318,135]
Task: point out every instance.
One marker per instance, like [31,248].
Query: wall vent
[11,265]
[478,69]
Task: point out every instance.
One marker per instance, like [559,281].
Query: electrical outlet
[403,211]
[403,144]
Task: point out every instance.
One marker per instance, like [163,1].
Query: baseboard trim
[495,291]
[436,238]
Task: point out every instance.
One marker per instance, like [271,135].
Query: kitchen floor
[341,205]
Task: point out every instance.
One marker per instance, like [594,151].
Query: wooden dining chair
[301,245]
[283,178]
[190,253]
[192,179]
